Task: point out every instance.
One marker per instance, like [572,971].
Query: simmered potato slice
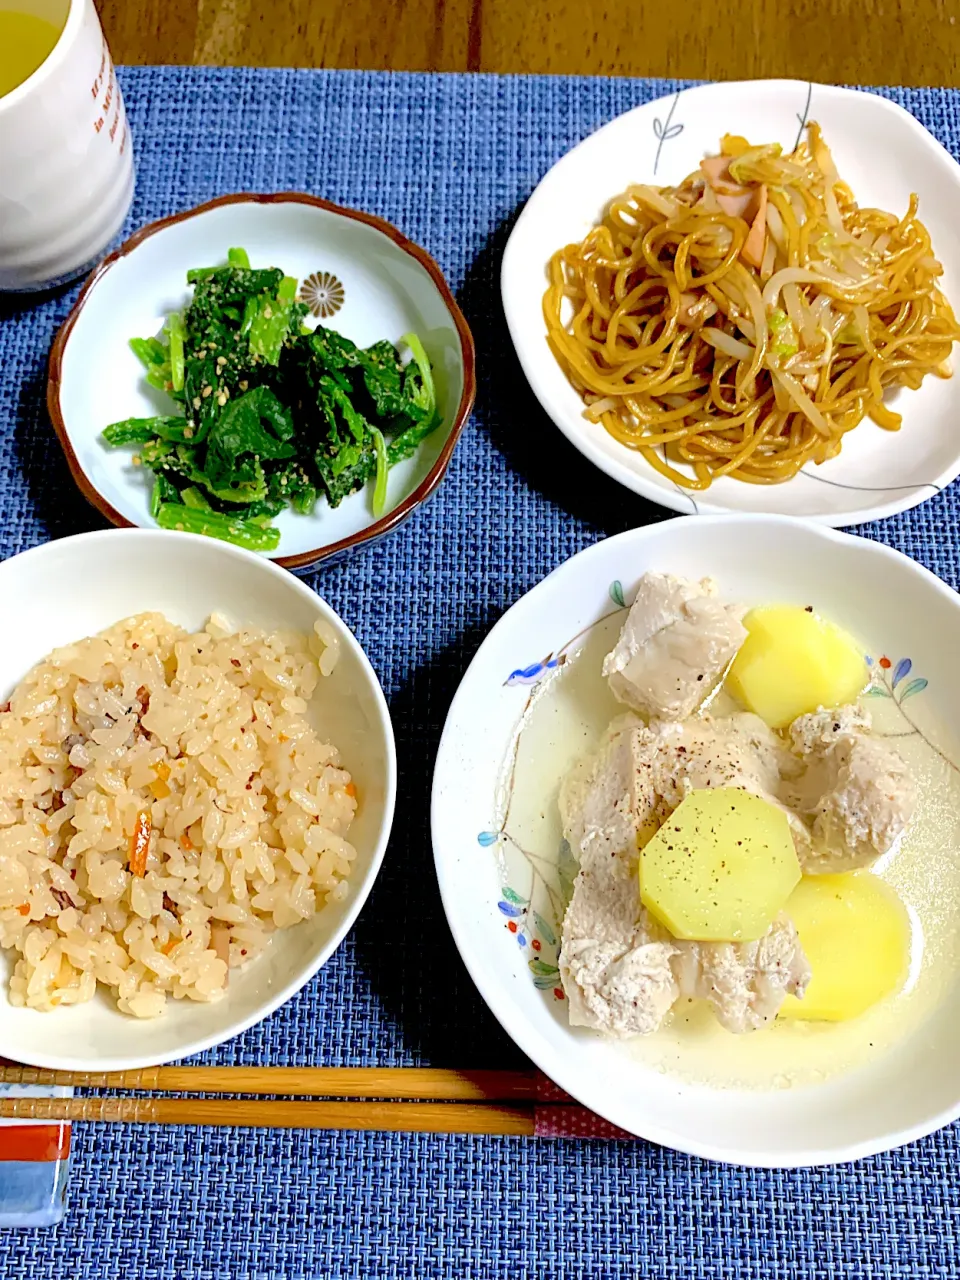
[855,932]
[720,867]
[793,662]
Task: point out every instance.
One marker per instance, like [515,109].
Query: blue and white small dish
[34,1163]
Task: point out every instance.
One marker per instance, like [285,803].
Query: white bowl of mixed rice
[197,784]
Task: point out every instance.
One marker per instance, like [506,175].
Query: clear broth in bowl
[565,719]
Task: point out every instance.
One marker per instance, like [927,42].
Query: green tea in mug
[26,41]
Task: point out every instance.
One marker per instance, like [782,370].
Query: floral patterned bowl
[505,873]
[358,274]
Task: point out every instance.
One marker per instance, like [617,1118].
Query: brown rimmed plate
[359,275]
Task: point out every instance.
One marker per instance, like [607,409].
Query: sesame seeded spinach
[214,524]
[272,414]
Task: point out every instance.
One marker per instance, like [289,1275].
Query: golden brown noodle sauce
[741,323]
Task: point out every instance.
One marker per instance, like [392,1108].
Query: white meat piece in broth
[615,959]
[729,751]
[622,972]
[622,986]
[600,806]
[854,791]
[676,643]
[745,982]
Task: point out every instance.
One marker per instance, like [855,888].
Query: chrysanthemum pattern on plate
[323,293]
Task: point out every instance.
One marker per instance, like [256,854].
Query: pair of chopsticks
[395,1099]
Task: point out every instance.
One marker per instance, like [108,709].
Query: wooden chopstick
[407,1117]
[396,1083]
[448,1101]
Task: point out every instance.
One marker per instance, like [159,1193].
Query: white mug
[66,159]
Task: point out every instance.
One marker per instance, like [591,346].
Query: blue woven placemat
[449,160]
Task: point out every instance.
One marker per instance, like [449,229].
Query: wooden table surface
[913,42]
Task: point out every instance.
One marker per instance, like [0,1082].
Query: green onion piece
[383,466]
[242,533]
[785,339]
[177,333]
[149,351]
[156,497]
[423,364]
[238,258]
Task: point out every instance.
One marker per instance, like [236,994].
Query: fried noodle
[743,322]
